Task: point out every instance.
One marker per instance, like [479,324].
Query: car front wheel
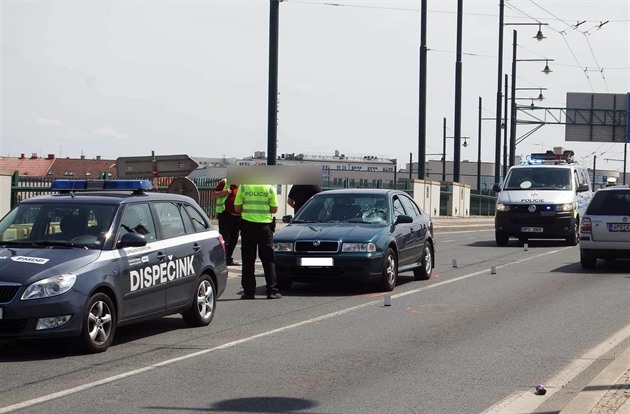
[424,272]
[204,304]
[99,323]
[390,271]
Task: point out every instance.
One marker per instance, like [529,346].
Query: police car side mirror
[582,187]
[287,218]
[496,188]
[132,240]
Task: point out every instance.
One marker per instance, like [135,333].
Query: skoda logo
[316,243]
[531,208]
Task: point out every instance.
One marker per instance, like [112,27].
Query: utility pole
[272,99]
[422,121]
[458,94]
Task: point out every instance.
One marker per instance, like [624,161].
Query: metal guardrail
[481,203]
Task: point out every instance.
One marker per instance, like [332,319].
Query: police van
[544,197]
[106,253]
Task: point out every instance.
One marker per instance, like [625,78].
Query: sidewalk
[607,393]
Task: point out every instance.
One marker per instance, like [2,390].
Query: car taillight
[222,242]
[585,227]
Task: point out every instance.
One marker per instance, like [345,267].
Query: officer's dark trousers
[229,226]
[257,237]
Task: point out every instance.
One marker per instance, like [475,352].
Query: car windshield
[539,178]
[48,224]
[610,203]
[346,208]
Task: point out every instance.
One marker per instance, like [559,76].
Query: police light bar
[103,185]
[566,156]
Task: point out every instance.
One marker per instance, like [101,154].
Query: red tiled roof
[27,167]
[52,167]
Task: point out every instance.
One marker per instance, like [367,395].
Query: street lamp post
[539,36]
[546,71]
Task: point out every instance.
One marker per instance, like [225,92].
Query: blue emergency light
[102,185]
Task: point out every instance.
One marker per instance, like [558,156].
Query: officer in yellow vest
[257,203]
[229,219]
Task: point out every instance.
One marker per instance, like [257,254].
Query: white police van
[102,254]
[544,197]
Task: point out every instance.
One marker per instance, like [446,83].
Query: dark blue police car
[102,254]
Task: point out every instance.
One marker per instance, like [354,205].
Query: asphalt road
[466,341]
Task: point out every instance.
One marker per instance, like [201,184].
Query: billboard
[597,117]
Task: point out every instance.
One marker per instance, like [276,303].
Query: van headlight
[52,286]
[503,207]
[564,207]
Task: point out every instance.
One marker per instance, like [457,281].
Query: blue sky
[124,78]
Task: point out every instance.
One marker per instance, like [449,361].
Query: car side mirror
[132,240]
[496,188]
[287,218]
[403,219]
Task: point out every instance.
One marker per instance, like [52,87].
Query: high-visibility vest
[256,200]
[220,203]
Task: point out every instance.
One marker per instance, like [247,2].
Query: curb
[608,392]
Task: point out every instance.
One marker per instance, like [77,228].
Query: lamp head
[539,36]
[546,70]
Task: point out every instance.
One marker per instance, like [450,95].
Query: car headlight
[51,286]
[564,207]
[358,247]
[503,207]
[282,247]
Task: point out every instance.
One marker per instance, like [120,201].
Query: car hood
[329,231]
[536,196]
[27,265]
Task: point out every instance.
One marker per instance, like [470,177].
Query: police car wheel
[574,239]
[99,323]
[203,305]
[501,238]
[424,272]
[390,271]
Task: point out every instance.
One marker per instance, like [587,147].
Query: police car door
[143,285]
[184,249]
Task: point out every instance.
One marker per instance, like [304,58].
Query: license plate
[531,229]
[618,226]
[316,261]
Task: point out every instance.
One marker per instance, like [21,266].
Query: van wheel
[203,305]
[501,238]
[99,323]
[574,239]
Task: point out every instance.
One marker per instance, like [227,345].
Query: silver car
[605,228]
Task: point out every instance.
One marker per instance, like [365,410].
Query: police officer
[257,203]
[229,219]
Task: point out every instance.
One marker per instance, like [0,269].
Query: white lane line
[527,401]
[138,371]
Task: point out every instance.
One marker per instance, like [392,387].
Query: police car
[543,198]
[102,254]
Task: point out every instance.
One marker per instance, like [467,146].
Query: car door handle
[161,256]
[196,247]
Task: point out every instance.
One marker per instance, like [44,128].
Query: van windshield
[539,178]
